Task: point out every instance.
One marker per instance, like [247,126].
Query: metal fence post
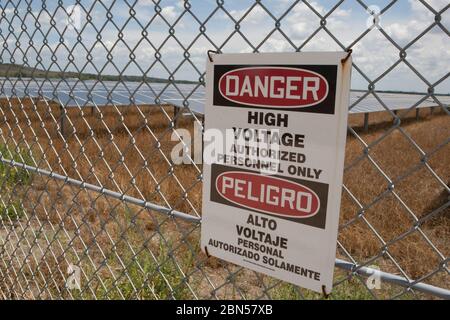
[62,119]
[366,122]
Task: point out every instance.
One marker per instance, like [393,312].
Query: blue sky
[373,55]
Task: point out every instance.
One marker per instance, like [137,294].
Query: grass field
[127,149]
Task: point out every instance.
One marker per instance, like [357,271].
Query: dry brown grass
[415,185]
[134,144]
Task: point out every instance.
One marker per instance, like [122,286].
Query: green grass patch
[11,212]
[11,175]
[348,290]
[147,277]
[152,271]
[351,289]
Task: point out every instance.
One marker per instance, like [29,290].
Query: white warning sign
[275,131]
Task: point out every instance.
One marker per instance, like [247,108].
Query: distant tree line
[19,71]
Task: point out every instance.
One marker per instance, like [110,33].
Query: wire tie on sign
[324,292]
[207,253]
[212,52]
[349,53]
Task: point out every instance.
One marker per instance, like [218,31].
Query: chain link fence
[93,207]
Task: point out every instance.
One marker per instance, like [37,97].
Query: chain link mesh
[92,206]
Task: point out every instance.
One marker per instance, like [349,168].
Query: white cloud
[435,4]
[256,15]
[302,22]
[169,12]
[373,54]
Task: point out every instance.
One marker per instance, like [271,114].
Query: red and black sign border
[327,106]
[321,189]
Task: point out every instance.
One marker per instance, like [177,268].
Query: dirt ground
[127,149]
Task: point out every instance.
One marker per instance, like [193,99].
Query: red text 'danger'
[274,87]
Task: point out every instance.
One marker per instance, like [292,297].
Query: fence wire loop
[349,53]
[210,53]
[325,294]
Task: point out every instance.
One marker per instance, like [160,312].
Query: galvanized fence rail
[92,205]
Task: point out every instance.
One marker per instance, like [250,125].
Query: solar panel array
[73,93]
[366,103]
